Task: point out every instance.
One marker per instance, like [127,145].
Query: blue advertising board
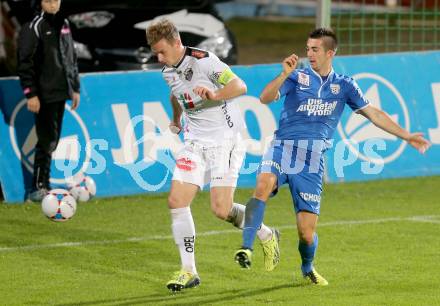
[119,135]
[407,87]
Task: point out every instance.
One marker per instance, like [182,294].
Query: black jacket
[47,64]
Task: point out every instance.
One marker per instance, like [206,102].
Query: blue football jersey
[313,106]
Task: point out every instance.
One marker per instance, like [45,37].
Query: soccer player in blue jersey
[314,100]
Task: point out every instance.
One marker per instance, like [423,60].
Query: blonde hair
[162,29]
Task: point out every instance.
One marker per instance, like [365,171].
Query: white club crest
[303,79]
[335,88]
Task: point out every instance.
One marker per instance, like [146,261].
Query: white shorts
[217,165]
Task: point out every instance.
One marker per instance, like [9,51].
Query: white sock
[264,233]
[182,225]
[236,217]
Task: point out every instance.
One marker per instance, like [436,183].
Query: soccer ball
[83,189]
[58,205]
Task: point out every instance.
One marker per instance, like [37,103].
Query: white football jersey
[204,120]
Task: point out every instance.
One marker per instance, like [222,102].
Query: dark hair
[36,6]
[329,38]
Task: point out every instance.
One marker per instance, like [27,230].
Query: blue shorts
[299,167]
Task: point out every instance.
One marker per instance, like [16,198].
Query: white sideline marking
[425,219]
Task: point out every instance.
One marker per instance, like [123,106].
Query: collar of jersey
[332,72]
[187,52]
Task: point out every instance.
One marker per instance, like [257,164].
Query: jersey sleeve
[289,83]
[27,47]
[355,98]
[218,72]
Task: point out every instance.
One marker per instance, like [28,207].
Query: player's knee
[306,236]
[174,201]
[264,189]
[219,210]
[223,215]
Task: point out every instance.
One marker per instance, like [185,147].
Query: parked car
[110,34]
[8,41]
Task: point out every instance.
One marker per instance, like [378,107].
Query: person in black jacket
[48,72]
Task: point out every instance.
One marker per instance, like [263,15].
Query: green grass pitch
[379,245]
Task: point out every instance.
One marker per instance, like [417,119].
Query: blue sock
[307,254]
[253,217]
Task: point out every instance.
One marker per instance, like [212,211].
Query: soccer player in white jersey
[203,90]
[315,99]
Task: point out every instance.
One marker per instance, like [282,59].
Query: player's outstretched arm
[383,121]
[234,88]
[417,141]
[271,91]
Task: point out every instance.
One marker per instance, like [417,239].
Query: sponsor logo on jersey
[303,79]
[227,116]
[199,54]
[272,163]
[188,74]
[185,164]
[335,88]
[310,197]
[186,100]
[316,107]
